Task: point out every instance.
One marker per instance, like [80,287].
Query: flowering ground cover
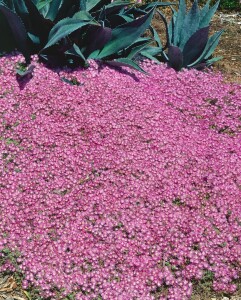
[121,185]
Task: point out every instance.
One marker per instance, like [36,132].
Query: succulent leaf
[209,48]
[190,25]
[166,27]
[75,51]
[175,57]
[39,25]
[97,37]
[206,18]
[124,35]
[125,62]
[156,36]
[42,4]
[136,47]
[148,6]
[7,43]
[82,5]
[179,19]
[63,28]
[18,31]
[195,45]
[149,56]
[54,6]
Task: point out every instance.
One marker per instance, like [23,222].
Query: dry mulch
[10,290]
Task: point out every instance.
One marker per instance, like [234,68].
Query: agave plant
[72,31]
[188,42]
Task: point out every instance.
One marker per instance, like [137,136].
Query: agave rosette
[188,42]
[72,31]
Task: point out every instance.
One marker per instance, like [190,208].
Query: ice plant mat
[120,185]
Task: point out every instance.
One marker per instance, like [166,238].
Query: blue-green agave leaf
[65,27]
[137,47]
[67,9]
[204,10]
[148,6]
[209,62]
[34,38]
[153,51]
[97,38]
[179,20]
[195,46]
[155,36]
[41,4]
[124,35]
[149,56]
[125,62]
[75,51]
[39,25]
[175,58]
[170,30]
[20,8]
[8,42]
[209,48]
[206,18]
[190,25]
[18,31]
[54,6]
[117,20]
[116,6]
[95,5]
[166,27]
[83,16]
[83,5]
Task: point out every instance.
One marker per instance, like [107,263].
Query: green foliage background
[226,4]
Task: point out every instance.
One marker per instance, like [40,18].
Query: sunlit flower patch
[120,185]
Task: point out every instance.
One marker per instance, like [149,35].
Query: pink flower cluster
[126,186]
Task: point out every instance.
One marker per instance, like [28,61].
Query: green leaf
[67,9]
[204,10]
[125,62]
[156,36]
[18,31]
[179,20]
[166,27]
[206,18]
[40,27]
[126,34]
[7,41]
[137,47]
[82,5]
[75,50]
[96,38]
[209,62]
[209,49]
[190,25]
[175,58]
[148,6]
[96,4]
[63,28]
[195,46]
[53,9]
[147,55]
[83,16]
[42,3]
